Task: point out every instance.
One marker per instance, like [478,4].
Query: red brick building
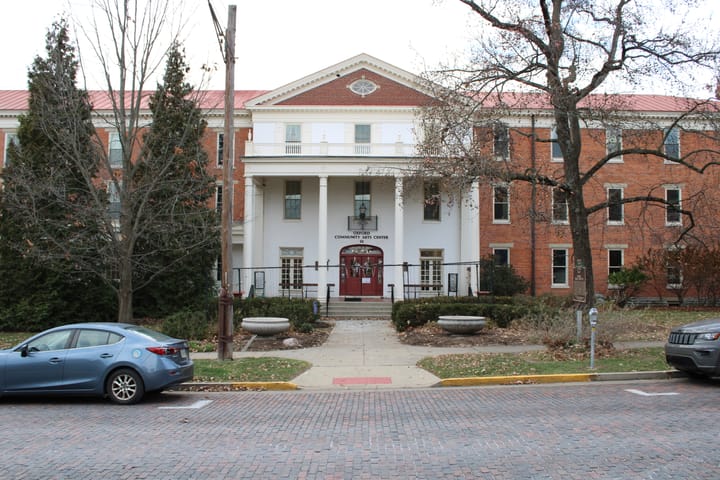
[318,180]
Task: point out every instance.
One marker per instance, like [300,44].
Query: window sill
[501,222]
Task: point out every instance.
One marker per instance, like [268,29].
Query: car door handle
[106,355]
[55,360]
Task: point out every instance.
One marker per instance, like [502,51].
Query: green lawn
[540,363]
[251,369]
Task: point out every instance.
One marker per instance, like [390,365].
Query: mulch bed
[432,335]
[242,339]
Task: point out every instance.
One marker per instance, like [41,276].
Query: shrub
[187,324]
[414,313]
[627,283]
[298,310]
[558,328]
[500,279]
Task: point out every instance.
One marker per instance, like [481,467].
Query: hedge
[299,311]
[415,313]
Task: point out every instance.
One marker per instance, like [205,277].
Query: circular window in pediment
[363,87]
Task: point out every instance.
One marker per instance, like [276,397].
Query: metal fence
[454,279]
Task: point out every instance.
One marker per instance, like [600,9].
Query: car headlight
[707,337]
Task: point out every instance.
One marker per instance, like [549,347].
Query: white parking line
[646,394]
[194,406]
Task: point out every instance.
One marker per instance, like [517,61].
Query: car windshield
[152,334]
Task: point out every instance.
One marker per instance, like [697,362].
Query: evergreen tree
[180,246]
[45,200]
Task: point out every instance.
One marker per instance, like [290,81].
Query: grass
[540,363]
[10,339]
[251,369]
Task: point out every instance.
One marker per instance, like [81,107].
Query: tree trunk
[125,292]
[568,125]
[582,251]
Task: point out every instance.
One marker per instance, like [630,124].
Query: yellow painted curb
[265,385]
[517,379]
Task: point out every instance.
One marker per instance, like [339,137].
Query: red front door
[361,271]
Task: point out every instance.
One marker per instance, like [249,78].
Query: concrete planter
[461,324]
[265,326]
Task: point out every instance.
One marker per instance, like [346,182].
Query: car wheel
[125,387]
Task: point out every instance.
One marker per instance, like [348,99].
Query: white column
[322,237]
[470,240]
[399,237]
[248,234]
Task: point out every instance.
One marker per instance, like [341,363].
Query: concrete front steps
[358,309]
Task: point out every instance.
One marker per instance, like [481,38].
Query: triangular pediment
[342,85]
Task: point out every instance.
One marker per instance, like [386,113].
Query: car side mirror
[24,351]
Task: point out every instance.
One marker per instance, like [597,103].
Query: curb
[454,382]
[235,386]
[559,378]
[515,380]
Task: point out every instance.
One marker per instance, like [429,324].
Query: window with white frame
[431,272]
[501,256]
[113,193]
[673,206]
[501,141]
[671,143]
[613,143]
[220,148]
[501,204]
[362,139]
[616,260]
[560,210]
[674,276]
[293,138]
[293,199]
[218,198]
[115,150]
[559,267]
[556,152]
[431,201]
[291,271]
[362,199]
[10,139]
[615,210]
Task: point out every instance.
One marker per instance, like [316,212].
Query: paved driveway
[628,430]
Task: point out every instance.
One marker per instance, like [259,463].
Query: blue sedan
[117,360]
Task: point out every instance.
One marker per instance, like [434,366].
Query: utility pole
[225,304]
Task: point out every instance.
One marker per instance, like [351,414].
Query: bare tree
[560,56]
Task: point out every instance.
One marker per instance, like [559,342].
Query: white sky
[277,41]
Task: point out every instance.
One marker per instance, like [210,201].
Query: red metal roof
[16,100]
[11,100]
[617,102]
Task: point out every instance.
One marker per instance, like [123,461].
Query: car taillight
[164,350]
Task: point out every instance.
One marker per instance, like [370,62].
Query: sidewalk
[366,354]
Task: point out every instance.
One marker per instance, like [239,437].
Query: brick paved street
[579,431]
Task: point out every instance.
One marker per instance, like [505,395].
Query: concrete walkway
[366,354]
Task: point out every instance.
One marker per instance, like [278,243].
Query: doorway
[361,271]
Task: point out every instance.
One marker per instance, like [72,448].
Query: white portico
[325,199]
